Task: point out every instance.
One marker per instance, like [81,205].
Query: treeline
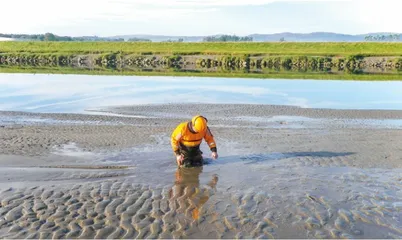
[55,38]
[178,40]
[138,40]
[228,38]
[391,37]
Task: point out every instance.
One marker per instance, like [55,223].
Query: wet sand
[114,177]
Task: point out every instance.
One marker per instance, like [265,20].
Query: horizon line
[216,34]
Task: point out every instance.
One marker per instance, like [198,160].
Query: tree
[49,37]
[228,38]
[368,38]
[138,40]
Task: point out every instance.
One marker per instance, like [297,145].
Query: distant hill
[286,36]
[161,38]
[309,37]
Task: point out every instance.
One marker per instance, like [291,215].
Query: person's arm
[209,138]
[175,139]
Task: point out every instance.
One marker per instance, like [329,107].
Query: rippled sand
[188,209]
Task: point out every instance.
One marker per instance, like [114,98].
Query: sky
[199,17]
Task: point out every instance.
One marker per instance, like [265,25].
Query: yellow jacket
[183,135]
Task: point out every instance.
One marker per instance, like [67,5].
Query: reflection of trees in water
[196,62]
[188,193]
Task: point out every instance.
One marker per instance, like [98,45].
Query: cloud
[214,3]
[113,5]
[381,16]
[48,14]
[48,10]
[197,17]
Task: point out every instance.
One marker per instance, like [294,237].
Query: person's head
[199,123]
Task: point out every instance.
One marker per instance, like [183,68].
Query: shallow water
[272,195]
[77,93]
[275,122]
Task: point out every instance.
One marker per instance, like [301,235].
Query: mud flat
[283,172]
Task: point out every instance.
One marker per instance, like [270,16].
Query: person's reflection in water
[188,193]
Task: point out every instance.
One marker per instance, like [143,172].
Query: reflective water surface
[77,93]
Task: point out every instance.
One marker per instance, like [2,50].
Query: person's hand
[179,159]
[214,155]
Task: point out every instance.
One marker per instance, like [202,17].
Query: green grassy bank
[252,48]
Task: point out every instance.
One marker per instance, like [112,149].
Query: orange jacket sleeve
[176,137]
[209,138]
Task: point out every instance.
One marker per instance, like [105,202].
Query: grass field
[252,48]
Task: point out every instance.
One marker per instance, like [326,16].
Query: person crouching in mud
[186,140]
